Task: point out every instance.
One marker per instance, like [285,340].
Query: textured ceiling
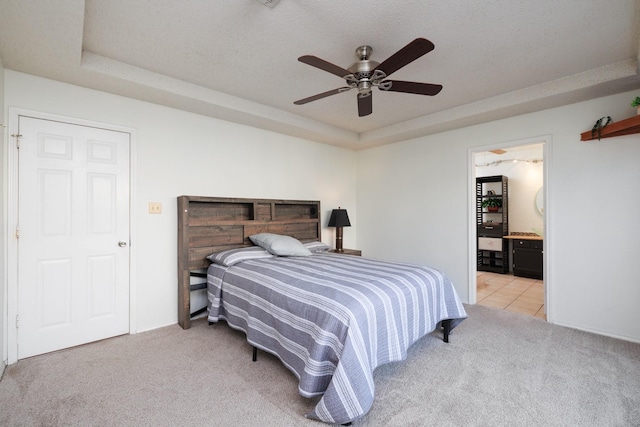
[238,60]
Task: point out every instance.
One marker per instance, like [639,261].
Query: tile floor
[511,293]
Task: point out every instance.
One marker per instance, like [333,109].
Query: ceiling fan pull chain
[599,125]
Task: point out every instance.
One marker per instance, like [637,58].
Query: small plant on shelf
[636,104]
[492,204]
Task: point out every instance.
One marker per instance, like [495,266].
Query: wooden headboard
[213,224]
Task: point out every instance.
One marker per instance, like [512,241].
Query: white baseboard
[598,332]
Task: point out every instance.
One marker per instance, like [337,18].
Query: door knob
[122,244]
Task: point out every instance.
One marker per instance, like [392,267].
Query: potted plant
[636,103]
[492,204]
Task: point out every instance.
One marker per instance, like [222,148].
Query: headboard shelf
[213,224]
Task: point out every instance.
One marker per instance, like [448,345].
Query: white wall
[3,179]
[413,205]
[180,153]
[412,197]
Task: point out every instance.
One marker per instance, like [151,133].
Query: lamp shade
[339,218]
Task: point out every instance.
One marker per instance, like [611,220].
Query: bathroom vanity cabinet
[527,258]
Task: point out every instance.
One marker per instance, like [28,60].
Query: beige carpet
[500,369]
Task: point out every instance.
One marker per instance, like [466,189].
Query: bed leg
[255,354]
[446,325]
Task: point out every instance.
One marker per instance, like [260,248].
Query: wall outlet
[155,207]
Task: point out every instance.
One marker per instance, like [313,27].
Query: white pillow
[278,244]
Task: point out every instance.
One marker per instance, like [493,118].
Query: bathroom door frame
[546,141]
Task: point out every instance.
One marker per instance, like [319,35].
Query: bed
[330,318]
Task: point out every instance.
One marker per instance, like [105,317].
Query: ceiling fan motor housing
[362,71]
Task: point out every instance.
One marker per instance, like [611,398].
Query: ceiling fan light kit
[366,74]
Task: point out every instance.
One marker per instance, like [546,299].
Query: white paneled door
[73,235]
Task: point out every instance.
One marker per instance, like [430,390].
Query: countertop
[523,236]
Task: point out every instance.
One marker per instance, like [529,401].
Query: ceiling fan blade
[314,61]
[404,56]
[413,87]
[322,95]
[365,104]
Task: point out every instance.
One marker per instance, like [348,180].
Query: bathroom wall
[524,168]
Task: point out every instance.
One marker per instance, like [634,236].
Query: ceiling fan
[365,74]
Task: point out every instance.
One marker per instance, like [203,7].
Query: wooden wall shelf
[623,127]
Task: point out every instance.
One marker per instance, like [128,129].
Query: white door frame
[548,235]
[11,243]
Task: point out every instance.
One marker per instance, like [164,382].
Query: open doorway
[508,258]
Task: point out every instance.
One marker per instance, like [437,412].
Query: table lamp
[339,219]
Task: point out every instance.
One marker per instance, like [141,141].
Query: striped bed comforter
[332,319]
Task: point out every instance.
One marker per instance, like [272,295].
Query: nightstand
[347,252]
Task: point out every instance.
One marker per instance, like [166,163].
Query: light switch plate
[155,207]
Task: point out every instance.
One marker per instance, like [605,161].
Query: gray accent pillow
[278,244]
[316,247]
[233,256]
